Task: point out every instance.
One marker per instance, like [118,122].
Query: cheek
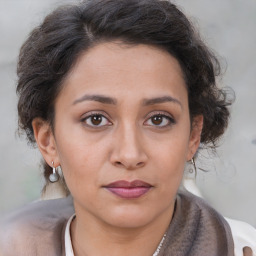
[171,169]
[80,159]
[170,156]
[75,146]
[172,149]
[171,166]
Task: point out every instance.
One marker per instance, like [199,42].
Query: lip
[129,190]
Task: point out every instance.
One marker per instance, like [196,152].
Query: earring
[54,177]
[194,165]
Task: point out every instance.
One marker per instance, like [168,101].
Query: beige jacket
[38,230]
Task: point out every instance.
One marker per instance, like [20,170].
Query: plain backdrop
[228,26]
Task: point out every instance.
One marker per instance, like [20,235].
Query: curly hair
[53,48]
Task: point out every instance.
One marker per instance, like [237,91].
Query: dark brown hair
[53,48]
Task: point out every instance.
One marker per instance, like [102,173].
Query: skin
[126,144]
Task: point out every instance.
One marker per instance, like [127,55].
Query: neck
[90,236]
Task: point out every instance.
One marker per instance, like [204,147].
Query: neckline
[68,243]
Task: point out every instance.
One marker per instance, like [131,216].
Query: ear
[195,136]
[45,141]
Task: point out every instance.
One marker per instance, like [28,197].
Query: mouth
[128,190]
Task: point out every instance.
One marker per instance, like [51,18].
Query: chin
[130,218]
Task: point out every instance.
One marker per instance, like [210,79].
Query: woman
[119,94]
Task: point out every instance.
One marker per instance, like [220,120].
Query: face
[122,133]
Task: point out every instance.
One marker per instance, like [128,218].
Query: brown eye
[96,120]
[157,120]
[160,120]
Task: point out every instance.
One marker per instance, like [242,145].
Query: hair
[53,48]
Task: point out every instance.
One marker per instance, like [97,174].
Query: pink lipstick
[129,190]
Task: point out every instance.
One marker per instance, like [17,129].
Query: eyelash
[171,121]
[94,114]
[169,118]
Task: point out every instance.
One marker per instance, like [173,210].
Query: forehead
[118,68]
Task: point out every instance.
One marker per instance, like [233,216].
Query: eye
[96,120]
[159,120]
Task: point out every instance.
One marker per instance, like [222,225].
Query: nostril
[126,165]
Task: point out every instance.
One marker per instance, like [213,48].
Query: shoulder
[33,229]
[197,229]
[209,227]
[242,234]
[196,203]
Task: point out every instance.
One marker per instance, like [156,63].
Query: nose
[128,149]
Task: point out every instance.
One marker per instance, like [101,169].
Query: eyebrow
[112,101]
[163,99]
[99,98]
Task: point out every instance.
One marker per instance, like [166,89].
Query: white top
[243,235]
[68,243]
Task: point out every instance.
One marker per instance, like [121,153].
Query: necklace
[159,246]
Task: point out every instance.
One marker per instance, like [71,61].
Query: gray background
[228,26]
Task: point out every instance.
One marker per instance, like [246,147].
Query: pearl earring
[54,177]
[194,165]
